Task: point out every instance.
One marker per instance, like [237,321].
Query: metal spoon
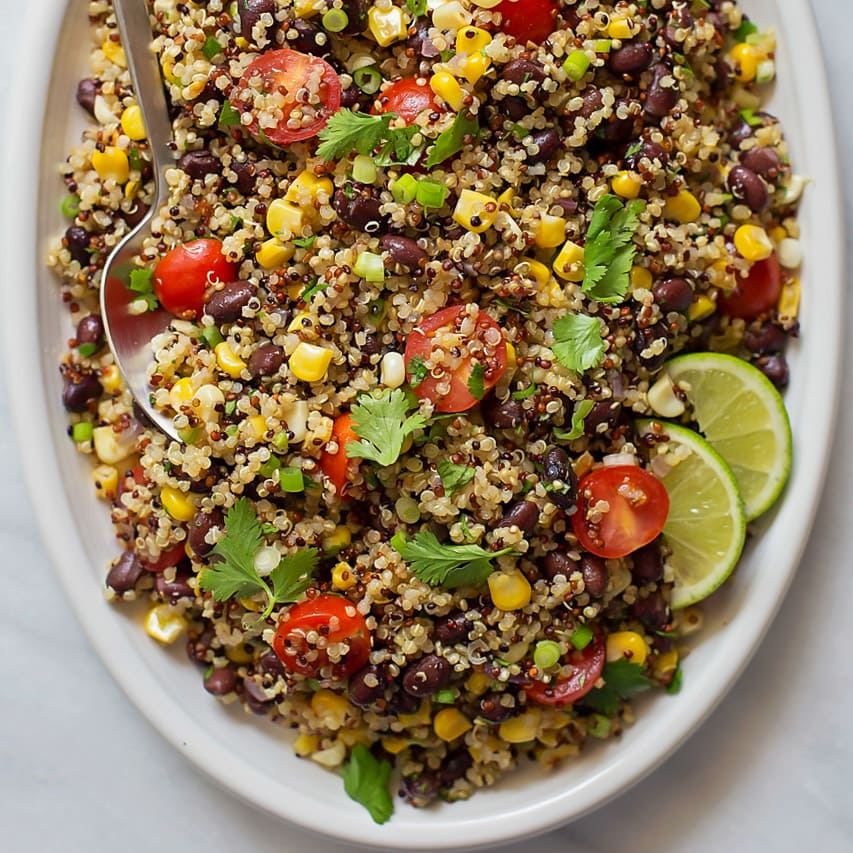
[129,335]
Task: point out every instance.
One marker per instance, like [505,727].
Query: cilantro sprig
[609,249]
[383,426]
[452,140]
[454,477]
[233,574]
[622,680]
[578,344]
[366,781]
[347,131]
[578,417]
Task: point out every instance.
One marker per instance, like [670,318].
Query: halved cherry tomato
[408,98]
[167,559]
[287,72]
[587,666]
[338,466]
[336,620]
[422,341]
[757,293]
[528,20]
[638,509]
[184,273]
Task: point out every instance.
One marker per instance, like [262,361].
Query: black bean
[200,526]
[722,75]
[648,150]
[403,703]
[363,694]
[775,368]
[350,97]
[306,38]
[514,107]
[226,305]
[557,469]
[548,142]
[125,572]
[420,787]
[266,360]
[77,240]
[603,412]
[371,345]
[648,564]
[250,12]
[659,99]
[356,11]
[557,563]
[767,338]
[135,215]
[594,573]
[197,164]
[90,330]
[255,697]
[455,765]
[593,101]
[631,59]
[221,682]
[79,391]
[616,131]
[506,414]
[522,71]
[269,664]
[765,162]
[360,212]
[420,42]
[747,187]
[427,675]
[403,250]
[87,90]
[673,294]
[246,175]
[492,709]
[451,629]
[643,340]
[524,515]
[173,591]
[652,611]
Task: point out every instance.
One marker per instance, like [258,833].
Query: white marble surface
[81,770]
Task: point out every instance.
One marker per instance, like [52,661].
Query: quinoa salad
[452,287]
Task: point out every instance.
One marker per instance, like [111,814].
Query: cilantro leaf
[609,250]
[475,381]
[347,131]
[578,344]
[304,242]
[417,371]
[578,417]
[366,781]
[293,575]
[311,290]
[417,7]
[622,680]
[381,424]
[141,281]
[451,141]
[454,477]
[450,566]
[228,116]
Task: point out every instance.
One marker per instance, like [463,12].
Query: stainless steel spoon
[129,335]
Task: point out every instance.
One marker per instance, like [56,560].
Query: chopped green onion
[447,696]
[189,435]
[83,431]
[529,391]
[367,79]
[211,47]
[211,336]
[598,726]
[290,479]
[376,311]
[87,349]
[363,169]
[370,267]
[407,510]
[576,64]
[281,441]
[582,637]
[270,467]
[404,189]
[747,28]
[335,20]
[134,158]
[230,430]
[546,654]
[751,118]
[603,46]
[230,407]
[431,193]
[70,206]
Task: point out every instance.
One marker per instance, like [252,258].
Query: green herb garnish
[476,386]
[609,250]
[211,48]
[366,781]
[622,680]
[347,131]
[578,417]
[451,141]
[228,116]
[382,425]
[578,344]
[453,476]
[417,371]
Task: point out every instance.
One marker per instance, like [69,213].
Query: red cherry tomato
[286,72]
[757,293]
[528,20]
[408,98]
[168,558]
[638,509]
[422,343]
[337,621]
[338,466]
[184,273]
[587,666]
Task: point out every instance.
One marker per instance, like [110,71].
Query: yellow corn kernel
[338,539]
[273,254]
[469,39]
[228,361]
[723,277]
[304,745]
[296,324]
[331,708]
[181,392]
[110,379]
[753,243]
[394,745]
[700,308]
[209,397]
[627,184]
[683,208]
[475,66]
[250,604]
[421,717]
[177,504]
[511,357]
[550,232]
[621,27]
[509,590]
[111,447]
[386,25]
[745,60]
[114,52]
[627,644]
[306,187]
[789,299]
[111,164]
[444,85]
[343,577]
[257,426]
[506,200]
[777,234]
[537,271]
[450,723]
[309,362]
[522,728]
[350,737]
[665,664]
[641,279]
[105,478]
[131,189]
[131,123]
[475,211]
[164,623]
[284,219]
[569,262]
[478,683]
[241,654]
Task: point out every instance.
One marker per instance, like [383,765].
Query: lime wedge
[706,525]
[743,417]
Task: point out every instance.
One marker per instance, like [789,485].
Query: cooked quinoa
[337,266]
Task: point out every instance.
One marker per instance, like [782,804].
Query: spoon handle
[134,26]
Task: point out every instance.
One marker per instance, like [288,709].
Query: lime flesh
[706,524]
[743,417]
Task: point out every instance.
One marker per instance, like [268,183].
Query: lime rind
[743,416]
[706,525]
